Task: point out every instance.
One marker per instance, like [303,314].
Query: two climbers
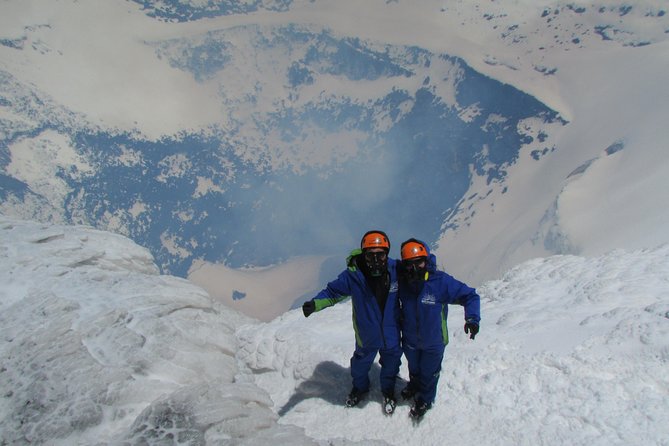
[398,307]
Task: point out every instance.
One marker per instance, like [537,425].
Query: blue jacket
[424,307]
[372,329]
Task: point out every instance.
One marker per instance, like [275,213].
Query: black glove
[308,307]
[472,328]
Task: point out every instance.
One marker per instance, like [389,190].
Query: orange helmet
[375,239]
[412,249]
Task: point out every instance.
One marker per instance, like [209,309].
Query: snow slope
[604,187]
[600,64]
[572,351]
[96,347]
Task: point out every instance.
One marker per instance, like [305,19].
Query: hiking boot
[419,409]
[389,403]
[408,392]
[354,397]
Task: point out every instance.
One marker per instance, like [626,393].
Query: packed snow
[98,348]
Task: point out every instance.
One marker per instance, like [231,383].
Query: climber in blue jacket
[371,282]
[424,296]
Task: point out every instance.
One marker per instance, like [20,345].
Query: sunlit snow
[96,347]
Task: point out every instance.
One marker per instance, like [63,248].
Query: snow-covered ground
[97,348]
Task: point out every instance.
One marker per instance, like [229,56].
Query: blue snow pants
[425,367]
[362,360]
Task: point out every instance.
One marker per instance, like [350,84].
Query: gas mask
[376,262]
[415,269]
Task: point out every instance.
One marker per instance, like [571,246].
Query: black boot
[355,397]
[389,403]
[419,409]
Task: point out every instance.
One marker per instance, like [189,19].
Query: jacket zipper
[383,334]
[419,339]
